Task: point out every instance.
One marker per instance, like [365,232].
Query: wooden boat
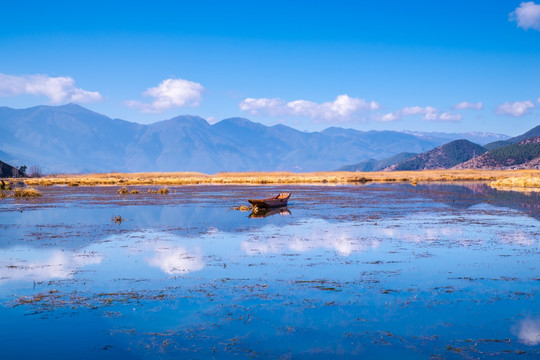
[276,201]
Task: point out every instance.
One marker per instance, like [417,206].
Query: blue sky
[449,66]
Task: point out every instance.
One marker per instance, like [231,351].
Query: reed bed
[518,183]
[26,192]
[261,178]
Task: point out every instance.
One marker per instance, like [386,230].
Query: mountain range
[520,152]
[72,139]
[522,155]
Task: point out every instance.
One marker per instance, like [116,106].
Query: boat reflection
[265,212]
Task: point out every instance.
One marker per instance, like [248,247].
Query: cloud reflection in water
[28,263]
[124,253]
[161,250]
[311,235]
[528,331]
[175,260]
[517,238]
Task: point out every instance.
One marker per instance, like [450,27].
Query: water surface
[374,271]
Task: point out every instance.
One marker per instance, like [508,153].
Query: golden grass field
[259,178]
[518,183]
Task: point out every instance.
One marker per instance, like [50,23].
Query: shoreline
[273,178]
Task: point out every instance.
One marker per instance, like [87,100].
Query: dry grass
[124,190]
[258,178]
[26,192]
[242,208]
[163,191]
[117,219]
[518,183]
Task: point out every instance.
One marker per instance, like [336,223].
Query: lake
[385,271]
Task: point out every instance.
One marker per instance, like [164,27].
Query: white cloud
[467,105]
[527,15]
[211,119]
[58,89]
[538,100]
[274,107]
[516,109]
[429,114]
[388,117]
[449,116]
[342,109]
[168,94]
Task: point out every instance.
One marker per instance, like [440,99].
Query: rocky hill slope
[523,155]
[378,165]
[442,157]
[534,132]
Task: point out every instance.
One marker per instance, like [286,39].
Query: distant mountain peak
[68,106]
[185,120]
[477,137]
[238,121]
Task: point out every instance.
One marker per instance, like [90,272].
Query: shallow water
[375,271]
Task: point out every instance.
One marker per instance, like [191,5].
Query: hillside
[70,138]
[534,132]
[377,165]
[523,155]
[442,157]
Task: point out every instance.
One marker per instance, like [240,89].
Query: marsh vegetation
[344,177]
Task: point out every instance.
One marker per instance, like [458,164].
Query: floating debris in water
[117,219]
[163,191]
[242,208]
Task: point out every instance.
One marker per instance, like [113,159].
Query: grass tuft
[26,192]
[163,191]
[117,219]
[242,208]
